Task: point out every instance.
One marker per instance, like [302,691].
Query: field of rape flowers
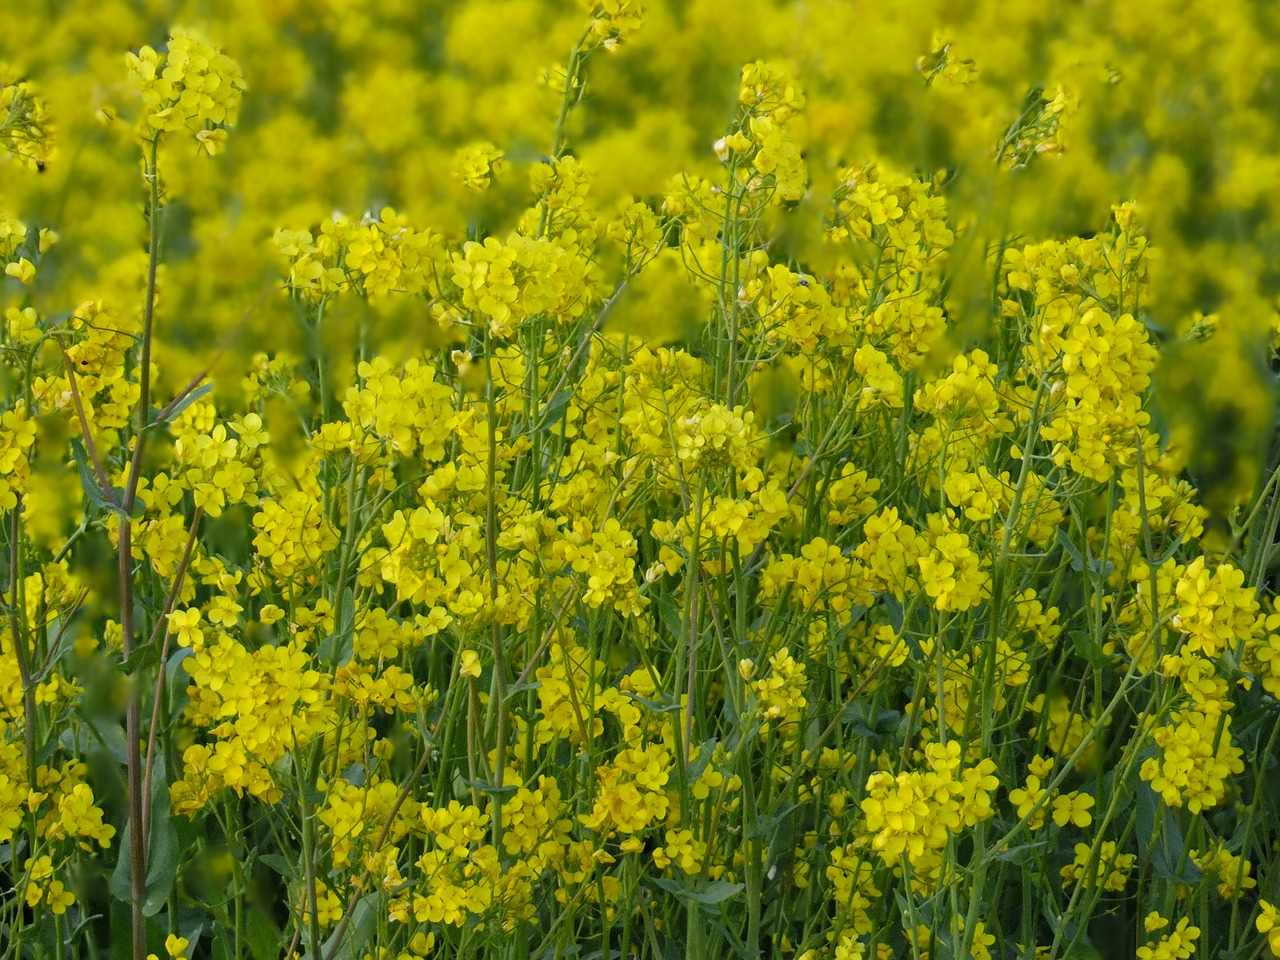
[532,480]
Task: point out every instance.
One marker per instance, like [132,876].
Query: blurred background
[357,104]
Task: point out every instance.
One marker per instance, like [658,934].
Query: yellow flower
[469,664]
[1072,808]
[1268,922]
[23,271]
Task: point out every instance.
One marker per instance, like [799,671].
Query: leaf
[894,609]
[1145,814]
[712,894]
[279,864]
[770,824]
[718,891]
[262,933]
[1019,854]
[118,883]
[706,750]
[491,788]
[97,733]
[1169,857]
[364,920]
[145,656]
[1064,541]
[336,649]
[176,682]
[1088,648]
[176,660]
[65,643]
[866,722]
[164,854]
[653,705]
[520,688]
[89,480]
[84,922]
[1171,550]
[670,616]
[179,407]
[555,409]
[1100,569]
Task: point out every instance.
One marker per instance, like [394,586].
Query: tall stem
[499,695]
[20,651]
[133,711]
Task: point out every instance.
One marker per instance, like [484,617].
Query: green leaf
[1169,858]
[866,722]
[654,705]
[84,922]
[1171,550]
[65,643]
[670,616]
[1064,541]
[118,883]
[279,864]
[364,921]
[491,788]
[1019,854]
[89,480]
[711,895]
[718,891]
[178,407]
[1088,648]
[98,732]
[143,657]
[555,409]
[336,649]
[164,854]
[262,933]
[176,681]
[520,688]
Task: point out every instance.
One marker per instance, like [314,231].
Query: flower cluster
[705,534]
[190,86]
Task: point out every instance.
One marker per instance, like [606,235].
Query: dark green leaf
[1088,648]
[262,933]
[670,616]
[1019,854]
[142,658]
[176,681]
[1169,858]
[118,883]
[279,864]
[164,855]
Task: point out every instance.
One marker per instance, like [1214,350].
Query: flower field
[528,480]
